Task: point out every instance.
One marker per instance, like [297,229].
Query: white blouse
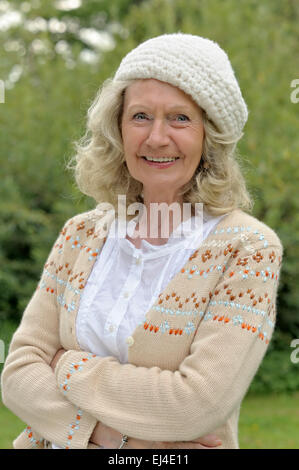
[125,281]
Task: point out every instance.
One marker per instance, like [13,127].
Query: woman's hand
[110,439]
[56,358]
[209,441]
[105,436]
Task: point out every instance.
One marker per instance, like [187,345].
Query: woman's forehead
[138,87]
[152,91]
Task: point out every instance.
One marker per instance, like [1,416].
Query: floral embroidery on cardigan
[223,303]
[66,269]
[76,240]
[49,289]
[165,328]
[61,282]
[75,367]
[76,244]
[170,311]
[74,427]
[237,320]
[232,296]
[244,273]
[242,229]
[70,307]
[34,441]
[243,307]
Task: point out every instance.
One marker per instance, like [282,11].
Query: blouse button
[126,294]
[111,328]
[130,341]
[138,260]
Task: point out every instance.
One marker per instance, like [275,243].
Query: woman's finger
[210,440]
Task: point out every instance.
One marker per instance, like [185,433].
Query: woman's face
[160,121]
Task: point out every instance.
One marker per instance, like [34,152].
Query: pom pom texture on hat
[196,65]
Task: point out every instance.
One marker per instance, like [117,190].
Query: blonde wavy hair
[101,172]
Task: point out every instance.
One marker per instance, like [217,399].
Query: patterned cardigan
[191,360]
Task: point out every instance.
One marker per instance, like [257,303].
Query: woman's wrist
[56,358]
[105,436]
[93,437]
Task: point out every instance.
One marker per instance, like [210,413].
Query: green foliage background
[44,113]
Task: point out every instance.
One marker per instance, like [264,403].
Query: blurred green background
[54,56]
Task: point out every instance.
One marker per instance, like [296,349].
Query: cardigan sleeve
[164,405]
[28,383]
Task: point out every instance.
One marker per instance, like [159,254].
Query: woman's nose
[158,134]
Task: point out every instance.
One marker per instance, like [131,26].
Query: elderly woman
[153,339]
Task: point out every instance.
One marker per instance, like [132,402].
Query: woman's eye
[137,115]
[185,118]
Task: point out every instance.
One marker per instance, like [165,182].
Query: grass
[269,422]
[266,422]
[10,427]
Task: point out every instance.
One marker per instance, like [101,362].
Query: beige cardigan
[190,362]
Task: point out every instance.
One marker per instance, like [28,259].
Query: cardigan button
[130,341]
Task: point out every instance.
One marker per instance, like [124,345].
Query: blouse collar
[187,235]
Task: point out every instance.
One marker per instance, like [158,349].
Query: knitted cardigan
[190,362]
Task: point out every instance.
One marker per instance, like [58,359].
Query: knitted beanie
[196,65]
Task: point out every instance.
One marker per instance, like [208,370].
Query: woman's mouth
[160,162]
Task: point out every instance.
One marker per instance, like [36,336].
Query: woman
[154,340]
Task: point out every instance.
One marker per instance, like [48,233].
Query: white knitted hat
[196,65]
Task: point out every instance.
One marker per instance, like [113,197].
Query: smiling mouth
[160,159]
